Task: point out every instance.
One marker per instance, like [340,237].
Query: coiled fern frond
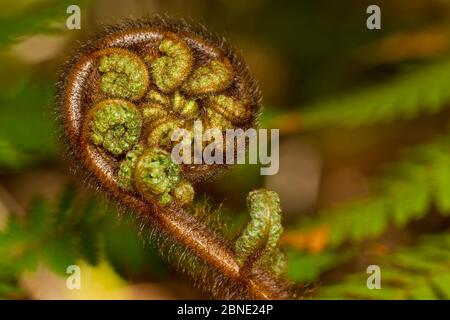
[123,95]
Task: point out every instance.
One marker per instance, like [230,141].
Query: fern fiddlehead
[122,96]
[259,242]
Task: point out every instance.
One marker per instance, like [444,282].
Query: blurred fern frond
[424,91]
[419,272]
[40,17]
[307,267]
[11,156]
[56,235]
[26,120]
[405,194]
[27,129]
[61,235]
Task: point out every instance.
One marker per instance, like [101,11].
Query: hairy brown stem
[211,249]
[199,240]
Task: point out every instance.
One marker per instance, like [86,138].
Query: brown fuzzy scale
[221,274]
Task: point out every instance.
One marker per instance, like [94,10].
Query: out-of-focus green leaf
[73,229]
[423,91]
[405,194]
[39,17]
[306,267]
[419,272]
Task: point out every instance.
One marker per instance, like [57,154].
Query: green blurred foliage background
[364,153]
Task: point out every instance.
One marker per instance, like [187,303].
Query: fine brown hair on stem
[121,95]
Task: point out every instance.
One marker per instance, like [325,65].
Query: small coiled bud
[153,112]
[157,176]
[161,133]
[184,193]
[158,97]
[214,77]
[171,70]
[124,75]
[234,111]
[127,167]
[258,244]
[114,125]
[187,108]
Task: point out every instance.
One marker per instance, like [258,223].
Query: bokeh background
[364,152]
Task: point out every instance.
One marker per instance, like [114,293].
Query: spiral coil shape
[127,90]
